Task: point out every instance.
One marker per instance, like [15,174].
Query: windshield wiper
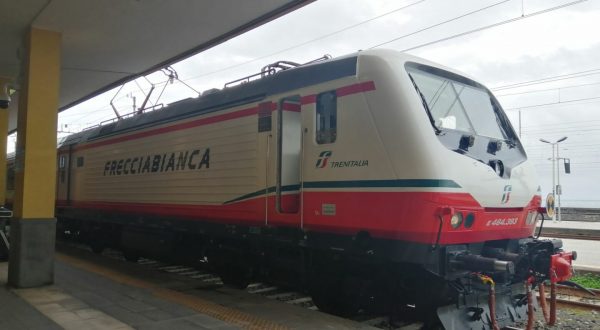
[437,130]
[510,137]
[511,143]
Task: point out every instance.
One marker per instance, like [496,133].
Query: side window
[79,161]
[62,161]
[326,117]
[264,117]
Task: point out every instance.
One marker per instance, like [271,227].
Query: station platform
[95,292]
[585,225]
[571,229]
[580,236]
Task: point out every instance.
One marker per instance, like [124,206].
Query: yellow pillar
[3,141]
[33,227]
[3,165]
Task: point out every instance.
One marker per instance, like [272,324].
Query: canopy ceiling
[106,43]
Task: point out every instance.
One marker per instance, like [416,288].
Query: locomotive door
[289,156]
[63,179]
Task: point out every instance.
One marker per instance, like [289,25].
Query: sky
[539,57]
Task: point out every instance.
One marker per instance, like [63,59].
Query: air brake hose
[491,299]
[530,316]
[544,307]
[492,305]
[552,304]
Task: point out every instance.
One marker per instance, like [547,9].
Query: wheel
[233,267]
[331,297]
[131,255]
[97,247]
[235,277]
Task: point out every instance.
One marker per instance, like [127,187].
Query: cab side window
[326,117]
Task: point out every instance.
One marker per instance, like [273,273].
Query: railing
[267,70]
[272,69]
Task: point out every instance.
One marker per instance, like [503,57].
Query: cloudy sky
[540,57]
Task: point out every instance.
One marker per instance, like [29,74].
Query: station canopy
[110,42]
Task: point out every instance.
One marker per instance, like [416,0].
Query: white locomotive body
[375,170]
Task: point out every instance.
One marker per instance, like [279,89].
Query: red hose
[552,304]
[492,306]
[530,316]
[543,305]
[491,299]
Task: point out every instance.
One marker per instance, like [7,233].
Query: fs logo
[323,159]
[506,195]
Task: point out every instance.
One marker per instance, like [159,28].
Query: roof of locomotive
[246,93]
[251,92]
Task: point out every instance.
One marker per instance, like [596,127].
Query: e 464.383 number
[503,222]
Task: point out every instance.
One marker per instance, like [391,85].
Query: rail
[571,297]
[206,280]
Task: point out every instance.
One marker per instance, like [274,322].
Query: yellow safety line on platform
[198,304]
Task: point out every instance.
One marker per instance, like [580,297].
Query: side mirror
[550,205]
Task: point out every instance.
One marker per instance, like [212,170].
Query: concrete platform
[16,313]
[584,225]
[571,229]
[580,236]
[96,292]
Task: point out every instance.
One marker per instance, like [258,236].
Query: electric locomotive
[376,180]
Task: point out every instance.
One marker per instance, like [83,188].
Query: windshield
[457,103]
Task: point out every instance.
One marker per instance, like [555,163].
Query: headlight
[469,220]
[456,220]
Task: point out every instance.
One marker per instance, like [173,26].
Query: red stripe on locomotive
[390,215]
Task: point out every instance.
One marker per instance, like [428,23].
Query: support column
[3,141]
[33,227]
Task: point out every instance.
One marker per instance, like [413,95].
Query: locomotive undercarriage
[345,275]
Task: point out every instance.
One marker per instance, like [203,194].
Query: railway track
[269,291]
[566,296]
[576,298]
[210,280]
[569,298]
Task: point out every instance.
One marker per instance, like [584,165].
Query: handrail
[272,69]
[172,75]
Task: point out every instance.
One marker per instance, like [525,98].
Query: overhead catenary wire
[552,103]
[439,24]
[565,123]
[403,36]
[397,38]
[540,12]
[320,38]
[353,26]
[545,80]
[547,10]
[547,89]
[578,145]
[324,36]
[567,126]
[563,130]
